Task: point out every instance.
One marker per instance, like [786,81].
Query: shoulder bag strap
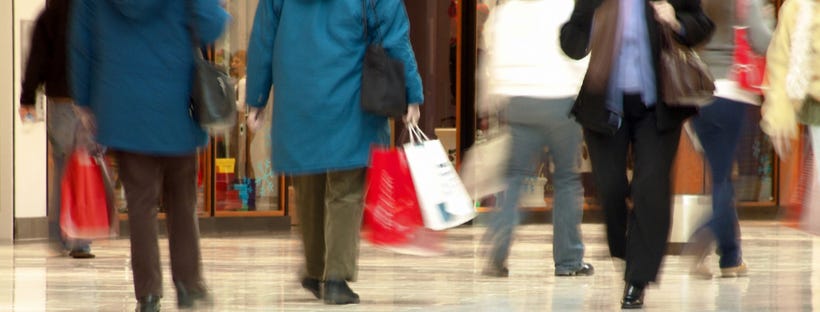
[364,19]
[189,5]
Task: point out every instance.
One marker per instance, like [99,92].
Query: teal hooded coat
[311,53]
[131,63]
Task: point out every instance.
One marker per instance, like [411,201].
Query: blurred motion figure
[718,127]
[620,110]
[793,93]
[538,83]
[46,66]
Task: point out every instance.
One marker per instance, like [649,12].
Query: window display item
[532,192]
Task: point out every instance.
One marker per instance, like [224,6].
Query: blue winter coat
[131,62]
[312,52]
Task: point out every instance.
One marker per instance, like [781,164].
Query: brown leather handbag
[685,78]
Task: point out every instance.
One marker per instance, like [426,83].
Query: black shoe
[81,254]
[496,271]
[188,296]
[337,292]
[148,303]
[313,286]
[585,270]
[633,296]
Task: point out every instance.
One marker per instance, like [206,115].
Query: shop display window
[244,180]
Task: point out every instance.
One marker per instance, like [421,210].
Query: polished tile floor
[259,274]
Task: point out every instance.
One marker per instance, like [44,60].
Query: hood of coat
[139,9]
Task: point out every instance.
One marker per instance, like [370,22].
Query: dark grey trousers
[330,209]
[146,179]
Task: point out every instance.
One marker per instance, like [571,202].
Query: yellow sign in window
[225,165]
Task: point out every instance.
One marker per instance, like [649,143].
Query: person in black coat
[621,111]
[46,67]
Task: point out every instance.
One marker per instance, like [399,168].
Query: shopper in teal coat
[131,64]
[311,53]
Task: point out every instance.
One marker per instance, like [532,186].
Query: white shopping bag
[443,199]
[484,167]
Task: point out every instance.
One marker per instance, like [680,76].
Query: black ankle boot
[633,296]
[188,295]
[313,286]
[337,292]
[148,303]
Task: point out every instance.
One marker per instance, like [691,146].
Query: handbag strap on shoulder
[375,15]
[189,6]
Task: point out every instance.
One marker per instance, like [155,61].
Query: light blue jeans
[61,126]
[535,123]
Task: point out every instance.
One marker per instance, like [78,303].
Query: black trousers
[639,235]
[146,179]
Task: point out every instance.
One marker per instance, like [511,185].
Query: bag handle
[195,43]
[417,136]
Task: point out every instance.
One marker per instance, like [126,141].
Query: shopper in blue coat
[312,52]
[131,65]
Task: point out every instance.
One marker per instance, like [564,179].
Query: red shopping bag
[392,217]
[749,68]
[84,212]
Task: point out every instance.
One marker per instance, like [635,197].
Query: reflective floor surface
[260,274]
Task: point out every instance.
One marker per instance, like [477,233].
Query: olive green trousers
[330,207]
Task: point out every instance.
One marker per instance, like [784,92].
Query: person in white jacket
[526,70]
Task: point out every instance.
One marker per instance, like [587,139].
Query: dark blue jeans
[535,123]
[718,126]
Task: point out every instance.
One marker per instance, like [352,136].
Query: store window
[243,177]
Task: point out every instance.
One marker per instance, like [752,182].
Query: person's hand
[413,114]
[665,14]
[782,145]
[781,126]
[86,117]
[253,118]
[28,112]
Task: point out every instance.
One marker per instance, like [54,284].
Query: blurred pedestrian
[718,127]
[131,67]
[793,73]
[539,84]
[46,67]
[621,112]
[320,135]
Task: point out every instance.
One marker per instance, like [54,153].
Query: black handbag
[213,97]
[383,89]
